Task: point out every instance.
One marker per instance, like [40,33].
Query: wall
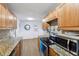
[35,29]
[34,32]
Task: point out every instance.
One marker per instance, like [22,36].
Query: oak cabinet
[3,11]
[14,22]
[0,16]
[39,43]
[51,16]
[68,17]
[10,20]
[52,52]
[7,19]
[45,26]
[18,49]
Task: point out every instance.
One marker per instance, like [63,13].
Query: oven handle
[44,44]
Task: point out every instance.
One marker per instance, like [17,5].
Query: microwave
[62,42]
[68,44]
[74,47]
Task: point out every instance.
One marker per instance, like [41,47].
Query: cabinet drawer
[52,52]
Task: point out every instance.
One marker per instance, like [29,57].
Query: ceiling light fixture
[30,18]
[44,20]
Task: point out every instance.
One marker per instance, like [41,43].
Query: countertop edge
[12,48]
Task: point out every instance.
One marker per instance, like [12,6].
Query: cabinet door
[69,16]
[14,22]
[51,16]
[7,19]
[0,15]
[18,49]
[54,15]
[62,16]
[39,43]
[3,16]
[52,52]
[45,26]
[10,20]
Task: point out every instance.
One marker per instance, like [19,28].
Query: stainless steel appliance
[43,48]
[44,45]
[62,42]
[74,46]
[70,45]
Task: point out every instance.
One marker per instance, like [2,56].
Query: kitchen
[39,29]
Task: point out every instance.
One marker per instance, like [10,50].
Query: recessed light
[30,18]
[44,20]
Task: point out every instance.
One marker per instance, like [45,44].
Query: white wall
[32,33]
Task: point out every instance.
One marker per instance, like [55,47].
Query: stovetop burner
[47,41]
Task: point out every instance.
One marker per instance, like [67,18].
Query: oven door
[52,38]
[73,46]
[43,48]
[62,42]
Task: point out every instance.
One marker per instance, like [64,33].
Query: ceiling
[35,10]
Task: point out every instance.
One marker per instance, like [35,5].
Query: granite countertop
[7,46]
[60,51]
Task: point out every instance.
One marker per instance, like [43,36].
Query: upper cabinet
[51,16]
[45,26]
[0,15]
[7,19]
[3,12]
[68,17]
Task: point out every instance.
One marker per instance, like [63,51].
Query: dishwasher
[43,49]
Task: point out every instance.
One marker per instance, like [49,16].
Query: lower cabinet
[39,43]
[52,52]
[18,49]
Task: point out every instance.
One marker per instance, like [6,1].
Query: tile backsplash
[6,33]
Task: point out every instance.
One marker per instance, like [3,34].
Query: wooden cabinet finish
[14,22]
[52,52]
[45,26]
[0,16]
[68,16]
[3,13]
[39,43]
[18,49]
[51,16]
[7,19]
